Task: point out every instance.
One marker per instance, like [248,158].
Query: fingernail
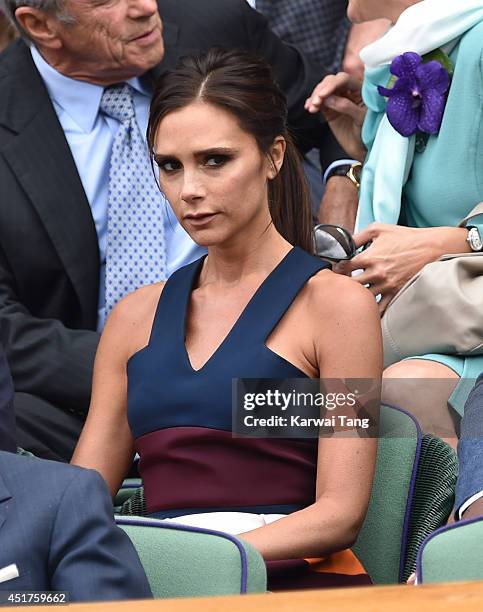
[330,101]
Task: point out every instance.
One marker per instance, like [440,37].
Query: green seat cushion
[182,561]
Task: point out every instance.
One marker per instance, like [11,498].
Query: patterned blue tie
[136,253]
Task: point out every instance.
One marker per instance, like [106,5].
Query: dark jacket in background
[7,419]
[319,28]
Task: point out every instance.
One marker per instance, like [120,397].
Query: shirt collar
[79,99]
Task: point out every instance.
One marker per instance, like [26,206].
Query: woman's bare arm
[106,443]
[348,345]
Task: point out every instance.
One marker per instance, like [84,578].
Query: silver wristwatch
[474,239]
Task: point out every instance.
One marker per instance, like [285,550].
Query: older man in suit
[69,247]
[57,533]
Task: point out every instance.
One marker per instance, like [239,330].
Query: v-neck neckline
[239,319]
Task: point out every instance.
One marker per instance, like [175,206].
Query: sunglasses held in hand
[333,243]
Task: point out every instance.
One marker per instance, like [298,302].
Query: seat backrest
[412,496]
[382,541]
[123,502]
[433,497]
[182,561]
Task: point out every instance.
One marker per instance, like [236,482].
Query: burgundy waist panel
[196,467]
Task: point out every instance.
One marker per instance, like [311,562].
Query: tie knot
[117,102]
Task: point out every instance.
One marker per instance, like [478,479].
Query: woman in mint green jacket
[422,151]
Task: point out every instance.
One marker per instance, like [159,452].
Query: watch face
[474,239]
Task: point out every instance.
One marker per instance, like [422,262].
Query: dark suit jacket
[57,527]
[7,419]
[49,256]
[319,28]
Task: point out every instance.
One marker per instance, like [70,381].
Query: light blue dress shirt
[90,136]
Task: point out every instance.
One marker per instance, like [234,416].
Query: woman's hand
[397,253]
[339,98]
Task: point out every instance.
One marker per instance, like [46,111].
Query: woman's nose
[192,188]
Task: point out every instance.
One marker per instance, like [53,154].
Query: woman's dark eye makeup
[209,159]
[215,161]
[167,164]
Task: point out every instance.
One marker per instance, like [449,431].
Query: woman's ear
[276,155]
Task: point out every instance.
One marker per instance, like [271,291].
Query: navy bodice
[181,417]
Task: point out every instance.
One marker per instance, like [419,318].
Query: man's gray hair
[56,7]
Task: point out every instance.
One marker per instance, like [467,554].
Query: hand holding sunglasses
[334,243]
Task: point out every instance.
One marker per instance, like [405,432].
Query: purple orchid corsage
[417,100]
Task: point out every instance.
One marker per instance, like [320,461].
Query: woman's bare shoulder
[338,296]
[138,305]
[346,327]
[129,324]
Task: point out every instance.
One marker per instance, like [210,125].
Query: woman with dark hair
[260,305]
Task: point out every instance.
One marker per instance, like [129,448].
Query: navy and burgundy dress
[181,420]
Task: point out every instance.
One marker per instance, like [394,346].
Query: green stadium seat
[412,496]
[182,561]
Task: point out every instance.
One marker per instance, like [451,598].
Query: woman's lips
[200,219]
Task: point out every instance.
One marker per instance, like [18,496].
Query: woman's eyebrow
[201,152]
[216,151]
[159,158]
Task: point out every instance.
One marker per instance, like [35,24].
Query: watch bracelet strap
[350,171]
[341,170]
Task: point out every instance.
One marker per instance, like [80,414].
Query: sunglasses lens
[333,243]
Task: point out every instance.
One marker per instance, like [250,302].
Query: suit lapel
[41,159]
